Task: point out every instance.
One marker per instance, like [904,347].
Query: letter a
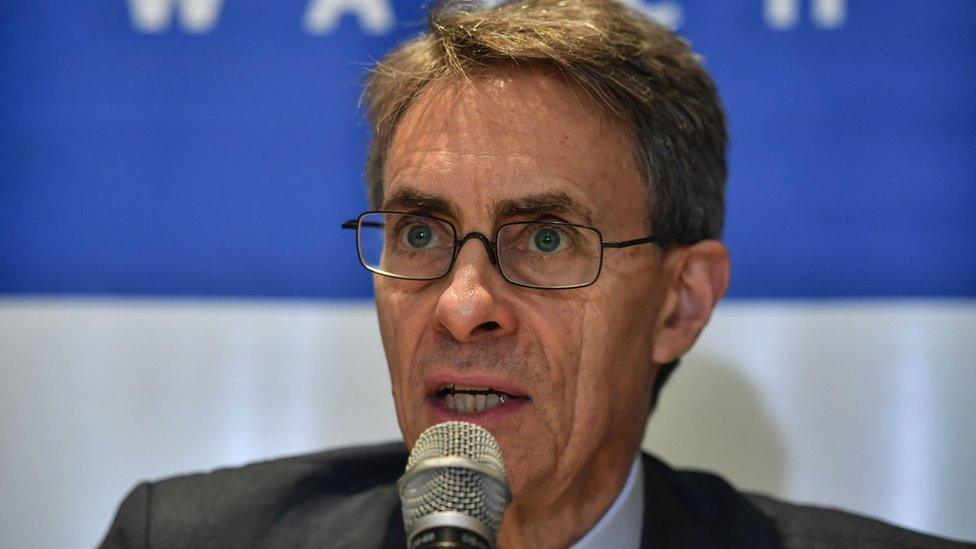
[375,16]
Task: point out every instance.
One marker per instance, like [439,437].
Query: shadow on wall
[710,417]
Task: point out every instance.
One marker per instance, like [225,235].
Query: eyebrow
[415,200]
[546,203]
[556,203]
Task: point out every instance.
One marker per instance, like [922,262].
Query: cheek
[598,347]
[556,325]
[400,308]
[615,367]
[402,322]
[388,309]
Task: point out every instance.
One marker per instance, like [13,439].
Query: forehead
[508,135]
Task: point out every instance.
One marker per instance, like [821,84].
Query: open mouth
[469,399]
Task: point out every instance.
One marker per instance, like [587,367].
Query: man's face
[572,368]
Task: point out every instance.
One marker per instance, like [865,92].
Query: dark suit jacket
[347,498]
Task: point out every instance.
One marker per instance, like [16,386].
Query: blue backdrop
[201,147]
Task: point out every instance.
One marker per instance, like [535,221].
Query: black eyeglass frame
[491,247]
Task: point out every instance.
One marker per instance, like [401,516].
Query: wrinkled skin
[584,360]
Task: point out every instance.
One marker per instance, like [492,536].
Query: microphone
[454,491]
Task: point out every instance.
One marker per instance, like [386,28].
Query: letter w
[154,16]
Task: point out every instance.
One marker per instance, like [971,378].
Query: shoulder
[298,501]
[337,472]
[815,527]
[700,509]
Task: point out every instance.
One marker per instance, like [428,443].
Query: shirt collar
[621,526]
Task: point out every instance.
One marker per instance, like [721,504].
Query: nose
[474,304]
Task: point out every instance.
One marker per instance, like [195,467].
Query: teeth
[465,403]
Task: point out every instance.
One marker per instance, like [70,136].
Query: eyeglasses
[547,255]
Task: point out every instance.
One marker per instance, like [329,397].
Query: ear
[696,276]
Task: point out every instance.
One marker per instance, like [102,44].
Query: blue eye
[546,240]
[419,235]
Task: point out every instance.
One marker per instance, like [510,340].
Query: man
[547,183]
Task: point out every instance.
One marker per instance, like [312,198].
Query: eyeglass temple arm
[627,243]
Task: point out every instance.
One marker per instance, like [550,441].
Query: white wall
[866,405]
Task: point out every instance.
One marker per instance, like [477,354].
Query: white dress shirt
[622,524]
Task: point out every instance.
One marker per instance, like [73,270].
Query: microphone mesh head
[456,489]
